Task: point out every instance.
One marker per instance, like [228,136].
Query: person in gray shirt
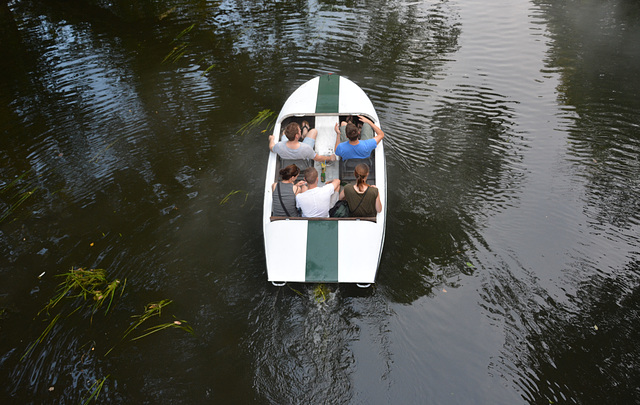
[284,193]
[293,149]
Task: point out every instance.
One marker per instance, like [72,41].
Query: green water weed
[20,196]
[42,336]
[232,193]
[320,293]
[95,389]
[86,283]
[151,310]
[263,116]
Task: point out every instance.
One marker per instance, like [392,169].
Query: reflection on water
[510,269]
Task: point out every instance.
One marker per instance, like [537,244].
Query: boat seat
[302,164]
[347,168]
[370,219]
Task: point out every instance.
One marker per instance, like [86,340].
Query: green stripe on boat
[328,94]
[322,252]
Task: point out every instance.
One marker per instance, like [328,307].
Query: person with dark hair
[363,199]
[284,193]
[315,201]
[293,149]
[355,147]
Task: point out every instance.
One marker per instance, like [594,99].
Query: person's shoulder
[327,187]
[278,146]
[348,190]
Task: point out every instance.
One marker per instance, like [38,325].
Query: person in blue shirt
[355,147]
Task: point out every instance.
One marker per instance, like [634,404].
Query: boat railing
[277,218]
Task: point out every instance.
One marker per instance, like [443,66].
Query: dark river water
[511,267]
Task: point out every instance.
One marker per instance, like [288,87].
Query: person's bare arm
[337,129]
[336,184]
[272,142]
[378,131]
[301,187]
[322,158]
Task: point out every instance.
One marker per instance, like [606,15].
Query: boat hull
[330,250]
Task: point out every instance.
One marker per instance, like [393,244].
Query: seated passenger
[354,147]
[284,193]
[293,149]
[315,201]
[363,199]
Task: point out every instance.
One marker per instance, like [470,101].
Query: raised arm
[337,129]
[378,131]
[272,142]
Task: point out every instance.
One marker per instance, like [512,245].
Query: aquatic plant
[179,50]
[176,53]
[184,32]
[320,293]
[89,284]
[295,291]
[95,389]
[42,336]
[19,197]
[104,150]
[264,115]
[86,283]
[232,193]
[207,70]
[151,310]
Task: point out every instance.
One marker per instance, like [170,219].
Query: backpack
[340,210]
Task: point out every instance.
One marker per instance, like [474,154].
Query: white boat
[327,250]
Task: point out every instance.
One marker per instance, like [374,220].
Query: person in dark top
[363,199]
[284,193]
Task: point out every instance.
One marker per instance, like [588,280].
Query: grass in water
[234,192]
[152,310]
[320,293]
[208,70]
[295,291]
[95,390]
[42,336]
[179,50]
[264,115]
[91,283]
[19,197]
